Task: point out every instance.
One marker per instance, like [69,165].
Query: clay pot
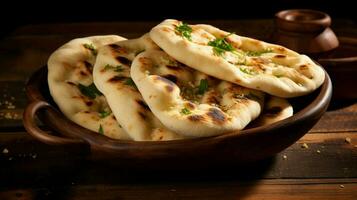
[305,31]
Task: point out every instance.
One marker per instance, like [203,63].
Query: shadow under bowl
[234,148]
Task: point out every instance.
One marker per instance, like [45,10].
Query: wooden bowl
[226,150]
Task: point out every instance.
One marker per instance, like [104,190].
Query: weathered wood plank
[290,189]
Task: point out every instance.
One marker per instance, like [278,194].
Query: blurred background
[15,14]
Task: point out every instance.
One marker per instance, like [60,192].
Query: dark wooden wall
[18,13]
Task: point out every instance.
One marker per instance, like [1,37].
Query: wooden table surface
[327,169]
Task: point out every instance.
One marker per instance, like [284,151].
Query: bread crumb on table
[285,157]
[318,151]
[348,140]
[342,186]
[5,151]
[304,146]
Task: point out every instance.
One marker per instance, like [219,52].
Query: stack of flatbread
[177,81]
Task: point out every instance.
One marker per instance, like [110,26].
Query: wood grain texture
[267,189]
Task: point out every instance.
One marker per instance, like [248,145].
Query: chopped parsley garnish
[247,71]
[258,53]
[89,91]
[184,30]
[185,111]
[91,48]
[242,62]
[131,83]
[100,130]
[117,68]
[104,114]
[203,87]
[220,45]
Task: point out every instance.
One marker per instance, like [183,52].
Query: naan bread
[275,109]
[71,85]
[189,102]
[248,62]
[112,77]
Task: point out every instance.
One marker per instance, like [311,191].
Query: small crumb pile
[7,108]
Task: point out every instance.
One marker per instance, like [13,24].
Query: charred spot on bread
[142,115]
[118,49]
[196,118]
[83,73]
[217,116]
[190,105]
[280,56]
[88,66]
[142,104]
[71,83]
[144,61]
[169,88]
[89,103]
[116,79]
[303,67]
[123,60]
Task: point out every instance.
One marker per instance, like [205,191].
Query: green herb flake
[220,45]
[101,130]
[89,91]
[131,83]
[91,48]
[185,111]
[247,71]
[117,68]
[104,114]
[258,53]
[203,87]
[184,30]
